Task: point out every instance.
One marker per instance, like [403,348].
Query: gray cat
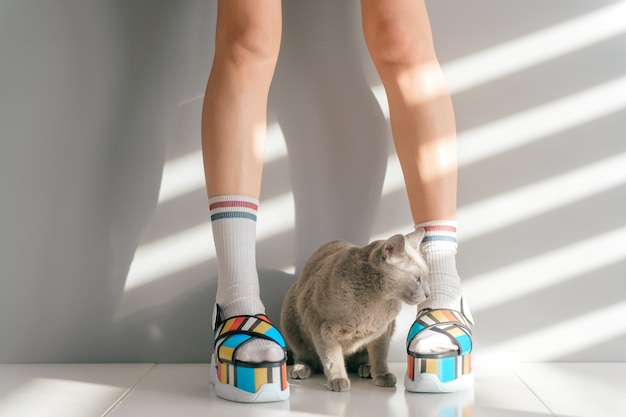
[341,311]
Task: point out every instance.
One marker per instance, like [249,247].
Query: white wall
[106,251]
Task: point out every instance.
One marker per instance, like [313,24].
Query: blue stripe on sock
[233,214]
[439,238]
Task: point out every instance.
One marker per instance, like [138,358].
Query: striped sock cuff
[233,206]
[438,231]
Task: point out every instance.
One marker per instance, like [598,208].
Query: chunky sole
[430,383]
[270,392]
[447,372]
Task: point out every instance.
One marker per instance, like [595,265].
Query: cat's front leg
[378,350]
[335,370]
[300,371]
[332,358]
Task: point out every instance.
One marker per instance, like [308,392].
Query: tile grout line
[532,391]
[127,392]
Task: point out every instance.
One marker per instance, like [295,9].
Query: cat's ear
[392,248]
[416,237]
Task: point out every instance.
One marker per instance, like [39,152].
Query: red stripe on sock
[440,229]
[222,204]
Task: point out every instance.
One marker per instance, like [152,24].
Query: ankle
[439,248]
[241,306]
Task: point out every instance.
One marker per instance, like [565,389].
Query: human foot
[254,376]
[255,350]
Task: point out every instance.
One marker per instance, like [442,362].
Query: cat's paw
[385,380]
[300,371]
[365,370]
[339,384]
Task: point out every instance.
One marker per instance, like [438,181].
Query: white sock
[233,220]
[439,250]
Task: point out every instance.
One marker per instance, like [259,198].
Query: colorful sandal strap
[232,333]
[452,323]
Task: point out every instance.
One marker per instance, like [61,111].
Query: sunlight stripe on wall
[540,121]
[526,127]
[524,52]
[193,246]
[532,275]
[526,202]
[558,340]
[521,53]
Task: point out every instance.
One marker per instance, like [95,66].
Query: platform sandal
[241,381]
[444,372]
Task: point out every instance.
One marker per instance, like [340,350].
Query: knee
[392,43]
[248,43]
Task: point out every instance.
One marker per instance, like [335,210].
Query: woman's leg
[235,105]
[233,144]
[399,39]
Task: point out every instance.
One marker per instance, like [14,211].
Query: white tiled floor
[120,390]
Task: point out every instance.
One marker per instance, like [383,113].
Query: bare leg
[235,105]
[399,39]
[233,143]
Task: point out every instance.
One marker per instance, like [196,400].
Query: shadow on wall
[336,134]
[542,185]
[81,159]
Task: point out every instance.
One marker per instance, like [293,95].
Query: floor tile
[511,390]
[68,390]
[577,389]
[500,393]
[184,389]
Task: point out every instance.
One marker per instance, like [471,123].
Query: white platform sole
[267,393]
[430,383]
